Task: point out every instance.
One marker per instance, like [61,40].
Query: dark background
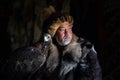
[97,20]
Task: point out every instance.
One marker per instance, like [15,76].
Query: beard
[65,41]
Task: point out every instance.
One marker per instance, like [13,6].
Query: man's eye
[70,28]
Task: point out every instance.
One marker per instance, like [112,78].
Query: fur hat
[55,23]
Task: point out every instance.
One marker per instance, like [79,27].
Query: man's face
[64,34]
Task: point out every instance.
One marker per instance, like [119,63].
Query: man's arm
[94,64]
[89,67]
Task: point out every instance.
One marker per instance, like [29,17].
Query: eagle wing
[25,61]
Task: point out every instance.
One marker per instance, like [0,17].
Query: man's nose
[66,32]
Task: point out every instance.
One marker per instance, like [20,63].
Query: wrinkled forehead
[65,24]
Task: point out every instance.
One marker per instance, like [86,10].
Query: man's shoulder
[87,46]
[85,42]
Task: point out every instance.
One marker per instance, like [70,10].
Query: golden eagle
[25,61]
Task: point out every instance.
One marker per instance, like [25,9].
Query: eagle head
[47,37]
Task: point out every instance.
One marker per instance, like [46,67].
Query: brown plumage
[25,61]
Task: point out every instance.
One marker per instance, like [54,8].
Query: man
[59,55]
[69,57]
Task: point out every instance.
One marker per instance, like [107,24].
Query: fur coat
[76,61]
